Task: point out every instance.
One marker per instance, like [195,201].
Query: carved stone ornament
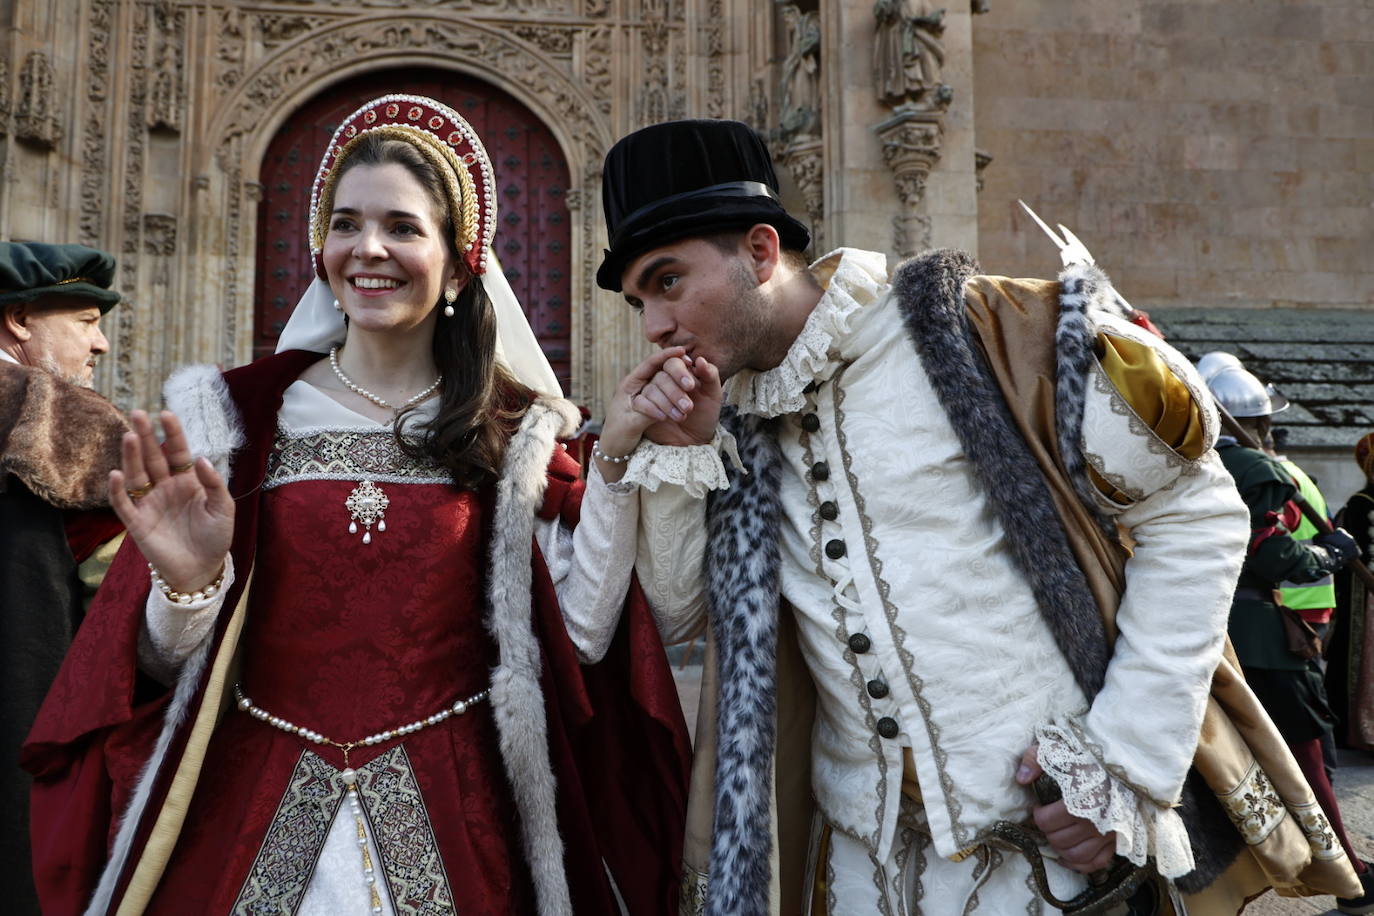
[37,115]
[805,162]
[981,160]
[800,86]
[655,31]
[909,55]
[159,234]
[912,141]
[165,96]
[4,97]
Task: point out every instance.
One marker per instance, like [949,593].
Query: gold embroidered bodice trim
[345,454]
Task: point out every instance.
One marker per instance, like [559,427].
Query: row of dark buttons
[887,726]
[834,549]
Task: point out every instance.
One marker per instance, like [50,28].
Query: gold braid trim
[462,195]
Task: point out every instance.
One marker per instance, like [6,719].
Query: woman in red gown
[439,692]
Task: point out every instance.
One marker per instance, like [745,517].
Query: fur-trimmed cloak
[58,443]
[596,756]
[1013,385]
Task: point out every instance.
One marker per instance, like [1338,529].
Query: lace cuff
[1143,828]
[696,468]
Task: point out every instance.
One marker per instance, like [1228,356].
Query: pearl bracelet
[598,453]
[177,597]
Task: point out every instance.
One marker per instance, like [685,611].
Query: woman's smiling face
[386,255]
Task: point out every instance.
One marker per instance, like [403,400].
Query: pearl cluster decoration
[348,775]
[177,597]
[456,708]
[364,393]
[367,504]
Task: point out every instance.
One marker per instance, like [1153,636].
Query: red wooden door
[532,237]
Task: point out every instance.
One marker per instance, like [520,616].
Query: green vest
[1313,595]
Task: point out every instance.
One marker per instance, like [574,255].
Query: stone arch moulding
[299,70]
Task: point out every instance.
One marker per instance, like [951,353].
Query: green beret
[31,270]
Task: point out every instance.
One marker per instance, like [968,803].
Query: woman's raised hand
[175,507]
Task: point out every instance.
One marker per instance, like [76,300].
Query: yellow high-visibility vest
[1310,595]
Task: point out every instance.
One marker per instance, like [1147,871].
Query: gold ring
[137,492]
[183,468]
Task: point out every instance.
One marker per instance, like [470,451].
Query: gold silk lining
[1156,395]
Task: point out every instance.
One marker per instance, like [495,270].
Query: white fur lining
[176,714]
[199,396]
[516,697]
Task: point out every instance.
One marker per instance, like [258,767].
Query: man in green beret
[58,442]
[52,298]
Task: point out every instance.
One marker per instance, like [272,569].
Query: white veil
[316,325]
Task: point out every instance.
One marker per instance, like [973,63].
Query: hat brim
[104,299]
[716,217]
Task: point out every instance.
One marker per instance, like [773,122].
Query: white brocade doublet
[917,627]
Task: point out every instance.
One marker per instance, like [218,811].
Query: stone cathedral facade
[1208,155]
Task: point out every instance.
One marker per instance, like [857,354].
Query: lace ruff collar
[851,279]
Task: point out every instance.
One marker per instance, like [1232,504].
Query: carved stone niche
[912,142]
[36,116]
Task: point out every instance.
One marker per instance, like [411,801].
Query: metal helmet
[1242,394]
[1212,363]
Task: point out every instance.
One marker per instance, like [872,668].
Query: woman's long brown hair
[480,402]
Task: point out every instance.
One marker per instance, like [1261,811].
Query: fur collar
[929,292]
[60,440]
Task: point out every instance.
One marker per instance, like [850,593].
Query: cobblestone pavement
[1354,787]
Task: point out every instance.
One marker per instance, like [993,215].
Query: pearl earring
[450,296]
[337,307]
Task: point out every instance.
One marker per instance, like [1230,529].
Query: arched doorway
[532,238]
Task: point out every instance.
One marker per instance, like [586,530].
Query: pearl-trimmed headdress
[444,138]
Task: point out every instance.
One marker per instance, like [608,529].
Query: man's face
[61,336]
[692,294]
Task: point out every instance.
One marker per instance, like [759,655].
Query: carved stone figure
[909,54]
[801,73]
[36,114]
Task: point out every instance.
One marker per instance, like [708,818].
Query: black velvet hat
[30,271]
[688,178]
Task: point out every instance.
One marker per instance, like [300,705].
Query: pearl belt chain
[257,712]
[350,775]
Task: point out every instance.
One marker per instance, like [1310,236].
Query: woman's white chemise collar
[305,408]
[851,279]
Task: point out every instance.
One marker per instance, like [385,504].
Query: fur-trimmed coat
[58,443]
[108,743]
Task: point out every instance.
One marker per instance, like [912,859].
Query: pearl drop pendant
[352,527]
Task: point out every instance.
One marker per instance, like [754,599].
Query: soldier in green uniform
[1288,684]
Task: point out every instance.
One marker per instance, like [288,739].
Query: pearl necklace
[364,393]
[348,775]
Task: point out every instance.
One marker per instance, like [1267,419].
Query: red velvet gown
[351,639]
[339,637]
